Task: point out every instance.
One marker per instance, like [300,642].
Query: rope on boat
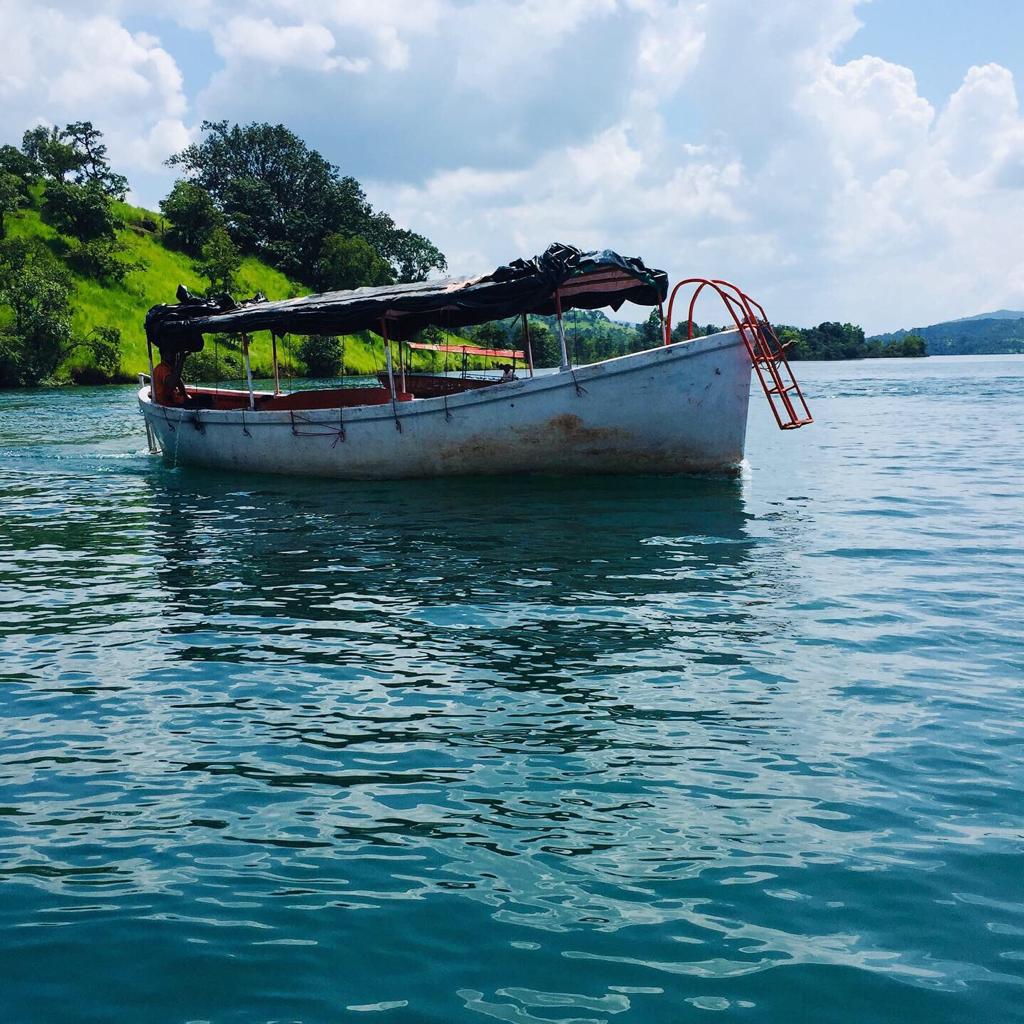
[338,434]
[444,390]
[580,389]
[245,429]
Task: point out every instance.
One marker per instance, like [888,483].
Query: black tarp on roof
[584,280]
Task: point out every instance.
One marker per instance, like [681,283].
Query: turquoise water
[528,750]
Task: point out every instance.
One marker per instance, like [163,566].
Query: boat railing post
[248,370]
[528,346]
[149,351]
[387,356]
[561,332]
[277,369]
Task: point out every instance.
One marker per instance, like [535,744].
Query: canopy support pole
[528,346]
[391,372]
[403,358]
[387,357]
[561,332]
[277,370]
[248,370]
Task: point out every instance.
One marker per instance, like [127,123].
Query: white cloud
[709,136]
[308,46]
[62,66]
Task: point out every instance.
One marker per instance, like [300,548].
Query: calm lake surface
[620,750]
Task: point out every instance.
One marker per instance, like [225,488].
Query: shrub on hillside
[213,364]
[102,259]
[220,262]
[321,355]
[36,335]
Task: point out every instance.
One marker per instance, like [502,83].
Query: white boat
[677,408]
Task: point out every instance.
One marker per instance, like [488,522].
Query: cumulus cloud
[709,137]
[63,65]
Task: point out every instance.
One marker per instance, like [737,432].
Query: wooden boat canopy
[563,277]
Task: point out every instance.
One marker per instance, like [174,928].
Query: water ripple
[534,750]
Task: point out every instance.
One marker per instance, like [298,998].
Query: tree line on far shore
[832,340]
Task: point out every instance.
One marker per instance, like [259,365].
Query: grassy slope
[124,306]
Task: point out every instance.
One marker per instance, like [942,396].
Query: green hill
[161,269]
[1000,333]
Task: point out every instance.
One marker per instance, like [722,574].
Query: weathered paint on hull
[676,409]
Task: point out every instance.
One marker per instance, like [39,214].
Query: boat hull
[679,408]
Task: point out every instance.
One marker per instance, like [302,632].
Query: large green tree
[78,150]
[94,168]
[281,200]
[47,148]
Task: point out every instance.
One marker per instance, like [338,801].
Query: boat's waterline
[679,408]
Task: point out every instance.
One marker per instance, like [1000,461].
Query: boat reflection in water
[498,680]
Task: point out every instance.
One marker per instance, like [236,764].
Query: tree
[51,152]
[85,213]
[650,332]
[36,337]
[281,200]
[12,197]
[220,261]
[490,335]
[105,345]
[829,340]
[79,211]
[681,331]
[192,215]
[78,150]
[412,256]
[913,345]
[94,168]
[321,355]
[101,258]
[542,343]
[349,262]
[25,169]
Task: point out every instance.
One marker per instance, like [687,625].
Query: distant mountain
[998,333]
[999,314]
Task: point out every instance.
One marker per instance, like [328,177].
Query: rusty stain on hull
[563,438]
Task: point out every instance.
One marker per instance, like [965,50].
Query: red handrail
[767,353]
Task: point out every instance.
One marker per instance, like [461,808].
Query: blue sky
[940,39]
[840,159]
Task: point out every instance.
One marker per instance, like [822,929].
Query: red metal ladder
[767,353]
